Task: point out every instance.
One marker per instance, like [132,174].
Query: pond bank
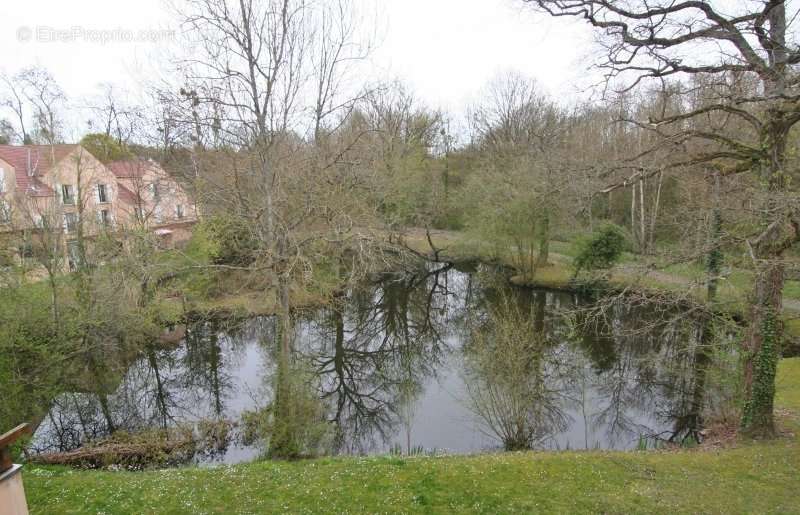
[631,273]
[751,477]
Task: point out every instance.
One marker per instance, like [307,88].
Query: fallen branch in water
[132,454]
[149,448]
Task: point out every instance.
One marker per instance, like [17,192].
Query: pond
[394,367]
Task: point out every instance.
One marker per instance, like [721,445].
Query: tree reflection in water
[394,364]
[374,350]
[509,376]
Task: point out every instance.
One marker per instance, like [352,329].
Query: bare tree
[523,134]
[263,74]
[14,99]
[665,39]
[46,99]
[112,114]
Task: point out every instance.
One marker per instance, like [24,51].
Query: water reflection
[374,350]
[420,361]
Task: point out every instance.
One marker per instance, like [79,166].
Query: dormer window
[67,194]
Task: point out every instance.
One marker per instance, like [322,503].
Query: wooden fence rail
[6,441]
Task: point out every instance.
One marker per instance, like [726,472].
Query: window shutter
[97,193]
[60,193]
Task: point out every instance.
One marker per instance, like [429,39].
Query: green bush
[223,240]
[601,250]
[105,148]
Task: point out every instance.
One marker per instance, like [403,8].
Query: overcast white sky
[445,49]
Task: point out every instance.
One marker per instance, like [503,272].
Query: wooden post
[12,494]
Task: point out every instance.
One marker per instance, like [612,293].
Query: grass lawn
[761,477]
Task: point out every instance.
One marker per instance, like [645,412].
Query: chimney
[30,169]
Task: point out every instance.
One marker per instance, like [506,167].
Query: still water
[390,366]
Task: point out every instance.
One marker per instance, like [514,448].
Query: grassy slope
[754,477]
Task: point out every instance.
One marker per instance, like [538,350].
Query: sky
[445,50]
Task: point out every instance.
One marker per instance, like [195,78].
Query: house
[151,198]
[55,186]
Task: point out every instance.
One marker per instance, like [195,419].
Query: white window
[102,194]
[2,180]
[179,212]
[154,192]
[67,194]
[70,222]
[5,212]
[104,217]
[73,254]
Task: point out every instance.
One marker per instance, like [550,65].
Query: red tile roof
[131,169]
[126,195]
[33,161]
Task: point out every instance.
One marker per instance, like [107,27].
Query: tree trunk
[51,278]
[654,216]
[762,350]
[643,227]
[714,259]
[544,239]
[765,333]
[635,233]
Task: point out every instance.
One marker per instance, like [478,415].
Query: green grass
[787,395]
[754,477]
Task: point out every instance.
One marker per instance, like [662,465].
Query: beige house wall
[161,208]
[84,173]
[8,189]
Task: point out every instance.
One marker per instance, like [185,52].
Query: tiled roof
[129,169]
[126,195]
[31,162]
